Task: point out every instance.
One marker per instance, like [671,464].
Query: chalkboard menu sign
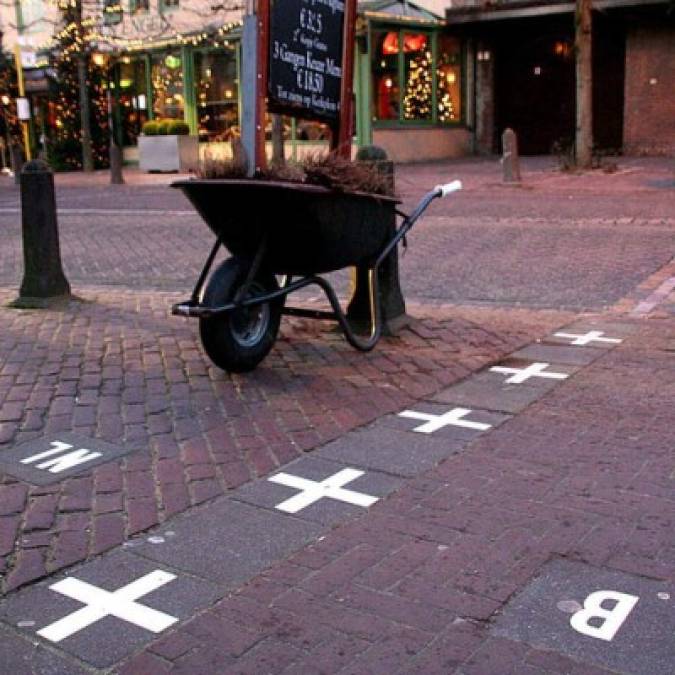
[305,58]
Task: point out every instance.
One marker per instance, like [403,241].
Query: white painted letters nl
[57,461]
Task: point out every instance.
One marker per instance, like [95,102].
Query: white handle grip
[449,187]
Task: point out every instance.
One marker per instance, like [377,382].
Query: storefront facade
[411,85]
[410,88]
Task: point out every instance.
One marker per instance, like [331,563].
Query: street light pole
[22,94]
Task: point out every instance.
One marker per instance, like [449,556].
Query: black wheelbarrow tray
[276,231]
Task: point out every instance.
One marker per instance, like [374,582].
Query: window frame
[135,8]
[433,33]
[112,18]
[167,8]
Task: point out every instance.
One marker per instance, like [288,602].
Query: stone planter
[168,153]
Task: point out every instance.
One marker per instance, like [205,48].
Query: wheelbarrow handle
[438,192]
[446,189]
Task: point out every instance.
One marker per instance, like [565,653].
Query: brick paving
[415,584]
[580,232]
[118,368]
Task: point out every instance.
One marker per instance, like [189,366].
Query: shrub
[163,127]
[371,153]
[151,128]
[179,128]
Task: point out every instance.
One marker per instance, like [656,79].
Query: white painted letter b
[611,619]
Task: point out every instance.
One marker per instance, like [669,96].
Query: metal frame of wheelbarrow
[194,308]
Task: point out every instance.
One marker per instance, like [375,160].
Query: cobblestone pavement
[469,249]
[485,539]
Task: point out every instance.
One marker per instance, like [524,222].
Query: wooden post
[584,76]
[262,65]
[278,149]
[510,160]
[343,143]
[114,151]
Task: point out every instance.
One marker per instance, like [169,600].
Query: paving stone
[554,353]
[19,656]
[611,329]
[386,449]
[449,432]
[327,511]
[630,638]
[69,449]
[109,639]
[487,392]
[227,541]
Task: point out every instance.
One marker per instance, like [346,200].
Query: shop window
[449,78]
[416,76]
[217,95]
[386,90]
[167,86]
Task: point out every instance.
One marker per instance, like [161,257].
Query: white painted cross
[591,336]
[100,603]
[520,375]
[312,491]
[451,418]
[58,461]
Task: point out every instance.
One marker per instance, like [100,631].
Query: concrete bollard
[43,275]
[116,177]
[510,159]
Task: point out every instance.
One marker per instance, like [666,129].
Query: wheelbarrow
[281,237]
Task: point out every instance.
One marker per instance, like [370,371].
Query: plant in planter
[166,145]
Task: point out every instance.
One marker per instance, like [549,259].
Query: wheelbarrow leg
[194,298]
[374,314]
[391,299]
[392,304]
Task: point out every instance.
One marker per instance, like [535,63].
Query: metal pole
[22,94]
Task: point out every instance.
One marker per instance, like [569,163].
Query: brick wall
[649,108]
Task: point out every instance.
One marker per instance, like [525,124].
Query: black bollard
[392,304]
[116,177]
[43,275]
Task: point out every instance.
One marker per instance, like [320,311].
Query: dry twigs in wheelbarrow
[326,170]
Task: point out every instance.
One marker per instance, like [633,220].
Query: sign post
[306,65]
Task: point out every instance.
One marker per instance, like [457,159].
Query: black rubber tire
[228,338]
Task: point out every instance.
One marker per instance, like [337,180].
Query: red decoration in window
[411,43]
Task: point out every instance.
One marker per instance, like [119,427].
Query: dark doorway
[535,84]
[609,70]
[535,89]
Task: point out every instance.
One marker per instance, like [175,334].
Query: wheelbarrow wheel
[239,340]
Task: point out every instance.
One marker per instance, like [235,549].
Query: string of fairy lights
[418,96]
[85,33]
